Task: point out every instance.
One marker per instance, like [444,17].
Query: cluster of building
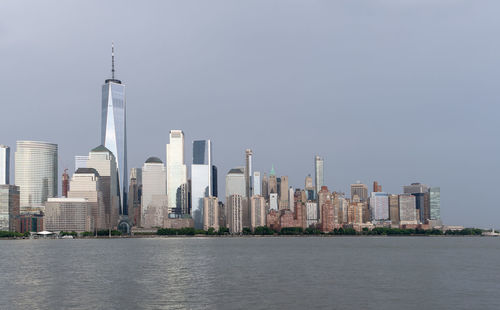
[103,194]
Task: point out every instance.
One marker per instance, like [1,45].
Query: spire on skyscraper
[112,60]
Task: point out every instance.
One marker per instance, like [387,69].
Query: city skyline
[357,153]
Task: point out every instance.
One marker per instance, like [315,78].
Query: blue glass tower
[114,129]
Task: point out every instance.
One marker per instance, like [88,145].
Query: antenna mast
[112,60]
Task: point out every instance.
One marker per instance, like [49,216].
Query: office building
[435,203]
[235,182]
[359,189]
[257,212]
[81,161]
[114,130]
[211,213]
[273,202]
[273,182]
[394,209]
[135,197]
[215,182]
[312,214]
[284,199]
[379,206]
[248,173]
[9,207]
[407,210]
[256,183]
[234,214]
[86,184]
[201,179]
[68,214]
[318,173]
[154,192]
[327,216]
[309,188]
[265,187]
[103,161]
[36,172]
[291,199]
[176,174]
[4,164]
[323,197]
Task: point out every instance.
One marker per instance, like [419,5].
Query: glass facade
[114,133]
[176,174]
[201,179]
[435,202]
[4,164]
[318,173]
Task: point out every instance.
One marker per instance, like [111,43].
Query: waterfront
[251,273]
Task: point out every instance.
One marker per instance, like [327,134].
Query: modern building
[257,212]
[407,209]
[318,173]
[211,213]
[309,188]
[176,174]
[312,213]
[103,161]
[265,187]
[284,199]
[114,129]
[86,183]
[154,192]
[421,193]
[273,182]
[81,161]
[379,206]
[435,203]
[235,182]
[359,189]
[68,214]
[36,172]
[273,202]
[394,209]
[248,173]
[235,214]
[201,179]
[9,207]
[256,183]
[4,164]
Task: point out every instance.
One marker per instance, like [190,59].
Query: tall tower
[36,172]
[318,173]
[201,179]
[4,164]
[248,172]
[114,129]
[176,174]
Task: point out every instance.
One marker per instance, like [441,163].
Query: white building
[176,173]
[257,187]
[379,206]
[68,214]
[273,201]
[257,211]
[4,164]
[235,182]
[201,179]
[211,213]
[311,213]
[36,172]
[154,190]
[234,214]
[407,209]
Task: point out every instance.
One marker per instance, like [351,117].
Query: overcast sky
[394,91]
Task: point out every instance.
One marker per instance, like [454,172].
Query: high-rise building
[407,209]
[81,161]
[327,216]
[201,179]
[65,183]
[377,187]
[394,209]
[273,182]
[235,182]
[379,205]
[284,201]
[176,174]
[435,203]
[136,173]
[114,129]
[4,164]
[361,190]
[235,214]
[256,183]
[309,188]
[36,172]
[86,183]
[215,189]
[103,161]
[257,211]
[154,193]
[135,197]
[248,173]
[211,213]
[9,207]
[415,188]
[68,214]
[265,187]
[312,213]
[323,196]
[318,173]
[421,192]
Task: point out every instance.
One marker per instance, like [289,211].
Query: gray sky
[394,91]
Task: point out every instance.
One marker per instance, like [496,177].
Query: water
[251,273]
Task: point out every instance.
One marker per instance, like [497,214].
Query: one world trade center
[114,129]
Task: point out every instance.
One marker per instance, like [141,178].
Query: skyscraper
[4,164]
[154,193]
[435,203]
[176,174]
[114,129]
[235,182]
[256,183]
[421,193]
[359,189]
[309,188]
[284,201]
[257,212]
[318,173]
[248,173]
[273,182]
[235,213]
[407,209]
[265,187]
[36,172]
[9,207]
[211,213]
[201,179]
[379,205]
